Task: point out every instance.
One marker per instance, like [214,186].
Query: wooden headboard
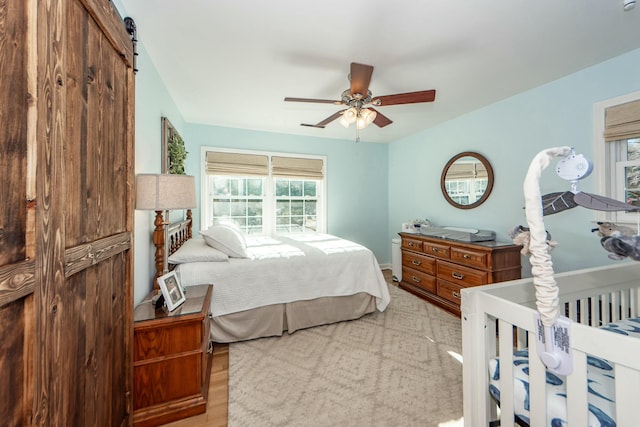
[176,234]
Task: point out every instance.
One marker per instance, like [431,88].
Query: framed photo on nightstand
[171,290]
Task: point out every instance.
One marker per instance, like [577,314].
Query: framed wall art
[173,149]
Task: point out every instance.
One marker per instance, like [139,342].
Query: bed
[279,284]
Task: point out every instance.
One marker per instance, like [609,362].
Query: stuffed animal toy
[622,247]
[622,242]
[610,229]
[521,235]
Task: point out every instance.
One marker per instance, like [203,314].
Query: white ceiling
[231,63]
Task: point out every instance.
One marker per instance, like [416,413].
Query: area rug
[401,367]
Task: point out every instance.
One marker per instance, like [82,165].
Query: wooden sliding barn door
[66,213]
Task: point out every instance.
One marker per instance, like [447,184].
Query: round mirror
[467,180]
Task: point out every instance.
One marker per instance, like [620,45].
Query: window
[264,193]
[458,191]
[466,191]
[239,199]
[296,205]
[617,159]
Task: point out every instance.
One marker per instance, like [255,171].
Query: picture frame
[171,290]
[174,153]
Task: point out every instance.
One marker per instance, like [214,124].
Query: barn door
[17,215]
[65,213]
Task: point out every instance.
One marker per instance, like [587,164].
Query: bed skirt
[274,320]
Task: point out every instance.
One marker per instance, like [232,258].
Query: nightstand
[171,359]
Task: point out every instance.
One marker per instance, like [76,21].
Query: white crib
[497,319]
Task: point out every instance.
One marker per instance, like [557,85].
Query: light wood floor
[216,414]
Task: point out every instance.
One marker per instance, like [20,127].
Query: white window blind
[466,171]
[295,167]
[622,121]
[223,163]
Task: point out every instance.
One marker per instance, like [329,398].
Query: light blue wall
[152,102]
[356,177]
[510,133]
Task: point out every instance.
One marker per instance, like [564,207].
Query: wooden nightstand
[172,359]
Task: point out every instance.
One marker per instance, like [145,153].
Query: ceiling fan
[359,99]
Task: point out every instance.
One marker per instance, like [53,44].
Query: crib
[498,320]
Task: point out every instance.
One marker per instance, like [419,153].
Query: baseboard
[385,266]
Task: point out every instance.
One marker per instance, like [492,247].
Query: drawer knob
[435,250]
[456,294]
[410,244]
[466,256]
[416,262]
[416,279]
[458,276]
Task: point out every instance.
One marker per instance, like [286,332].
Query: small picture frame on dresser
[171,290]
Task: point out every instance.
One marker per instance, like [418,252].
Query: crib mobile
[554,331]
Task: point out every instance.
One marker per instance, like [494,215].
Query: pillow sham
[227,239]
[196,250]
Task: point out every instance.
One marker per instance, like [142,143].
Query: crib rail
[500,318]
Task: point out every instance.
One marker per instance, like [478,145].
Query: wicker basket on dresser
[436,269]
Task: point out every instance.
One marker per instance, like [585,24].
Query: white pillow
[227,239]
[196,250]
[228,222]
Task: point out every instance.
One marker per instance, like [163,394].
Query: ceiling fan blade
[325,122]
[319,101]
[405,98]
[381,120]
[360,78]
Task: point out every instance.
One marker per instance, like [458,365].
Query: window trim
[269,223]
[605,172]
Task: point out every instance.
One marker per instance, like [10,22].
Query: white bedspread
[286,269]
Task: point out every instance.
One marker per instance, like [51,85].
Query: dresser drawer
[420,279]
[411,244]
[469,257]
[419,262]
[156,342]
[436,249]
[464,275]
[449,291]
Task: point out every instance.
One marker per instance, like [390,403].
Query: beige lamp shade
[164,192]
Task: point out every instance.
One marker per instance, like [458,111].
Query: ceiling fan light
[369,115]
[365,118]
[348,117]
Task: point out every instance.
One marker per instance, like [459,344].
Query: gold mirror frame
[490,178]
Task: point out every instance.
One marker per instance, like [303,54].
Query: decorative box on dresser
[172,359]
[436,269]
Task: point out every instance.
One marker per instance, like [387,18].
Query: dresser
[172,359]
[437,269]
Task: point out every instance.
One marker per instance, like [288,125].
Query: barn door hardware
[131,28]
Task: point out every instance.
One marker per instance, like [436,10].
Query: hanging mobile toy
[621,244]
[573,168]
[554,331]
